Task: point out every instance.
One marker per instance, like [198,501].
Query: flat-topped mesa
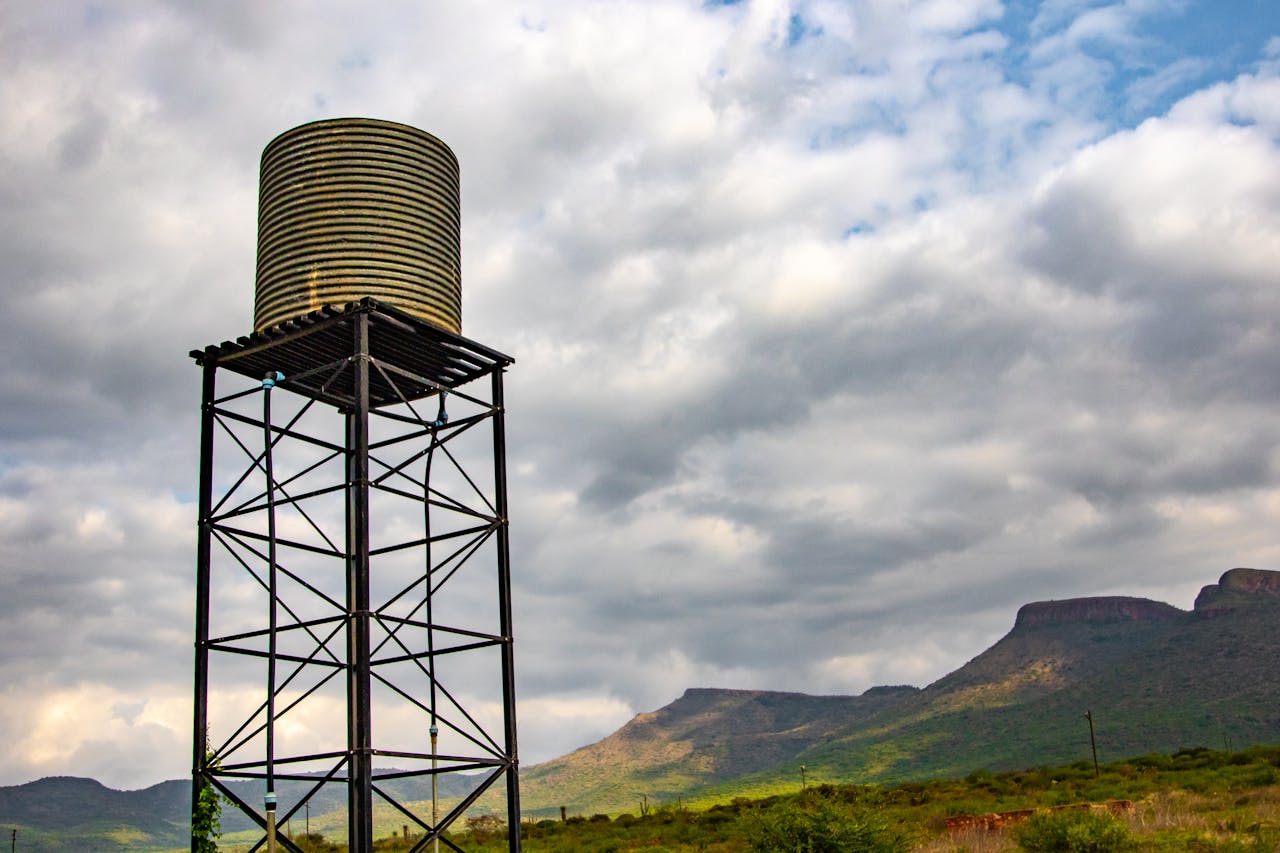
[1115,608]
[1239,587]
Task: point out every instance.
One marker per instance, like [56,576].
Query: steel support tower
[352,554]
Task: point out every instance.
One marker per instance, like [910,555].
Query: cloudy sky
[842,328]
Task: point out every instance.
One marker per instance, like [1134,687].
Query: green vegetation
[206,819]
[1198,800]
[1192,800]
[1075,832]
[822,823]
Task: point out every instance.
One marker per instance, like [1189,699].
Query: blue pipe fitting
[442,417]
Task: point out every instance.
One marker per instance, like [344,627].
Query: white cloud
[98,730]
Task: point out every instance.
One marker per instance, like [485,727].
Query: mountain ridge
[1157,678]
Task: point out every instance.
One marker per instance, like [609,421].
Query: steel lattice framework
[352,554]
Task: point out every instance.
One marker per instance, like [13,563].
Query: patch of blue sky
[881,118]
[798,30]
[1153,55]
[984,159]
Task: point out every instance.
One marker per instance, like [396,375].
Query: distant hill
[65,813]
[1155,677]
[705,735]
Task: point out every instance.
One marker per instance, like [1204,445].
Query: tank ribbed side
[353,207]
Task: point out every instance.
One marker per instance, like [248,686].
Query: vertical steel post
[359,732]
[504,613]
[433,729]
[204,536]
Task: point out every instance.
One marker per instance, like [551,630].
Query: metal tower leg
[359,735]
[200,727]
[504,611]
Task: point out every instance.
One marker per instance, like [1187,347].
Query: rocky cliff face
[1115,608]
[1239,587]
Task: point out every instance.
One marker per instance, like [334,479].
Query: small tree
[486,827]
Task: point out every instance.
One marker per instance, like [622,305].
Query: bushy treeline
[822,819]
[843,818]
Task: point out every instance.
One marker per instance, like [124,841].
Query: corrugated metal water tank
[356,207]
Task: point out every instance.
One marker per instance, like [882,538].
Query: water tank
[355,207]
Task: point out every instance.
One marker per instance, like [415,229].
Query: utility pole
[802,781]
[13,842]
[1088,715]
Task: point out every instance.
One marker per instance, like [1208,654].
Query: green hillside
[1155,678]
[705,736]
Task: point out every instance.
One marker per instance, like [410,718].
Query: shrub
[316,843]
[818,824]
[1075,832]
[1153,760]
[714,817]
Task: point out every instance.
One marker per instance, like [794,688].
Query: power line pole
[1088,715]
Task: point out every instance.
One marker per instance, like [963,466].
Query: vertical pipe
[272,616]
[504,613]
[359,731]
[204,536]
[433,729]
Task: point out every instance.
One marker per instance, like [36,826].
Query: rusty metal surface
[352,208]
